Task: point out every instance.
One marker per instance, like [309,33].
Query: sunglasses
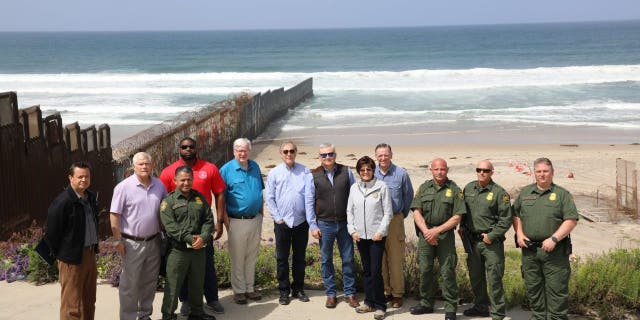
[292,151]
[187,146]
[328,154]
[478,170]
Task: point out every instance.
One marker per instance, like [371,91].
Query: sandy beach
[594,174]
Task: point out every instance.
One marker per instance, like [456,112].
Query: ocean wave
[400,81]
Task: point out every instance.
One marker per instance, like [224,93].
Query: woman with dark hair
[369,212]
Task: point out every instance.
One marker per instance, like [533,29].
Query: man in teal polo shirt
[545,215]
[243,199]
[437,208]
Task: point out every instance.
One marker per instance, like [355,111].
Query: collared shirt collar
[390,170]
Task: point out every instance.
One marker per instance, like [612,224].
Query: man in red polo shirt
[206,180]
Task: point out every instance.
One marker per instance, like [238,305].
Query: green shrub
[609,283]
[39,271]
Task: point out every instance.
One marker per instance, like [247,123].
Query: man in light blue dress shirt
[289,198]
[399,184]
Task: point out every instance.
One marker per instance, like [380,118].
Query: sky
[156,15]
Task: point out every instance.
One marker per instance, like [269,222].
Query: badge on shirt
[552,196]
[490,196]
[202,174]
[375,195]
[449,193]
[198,200]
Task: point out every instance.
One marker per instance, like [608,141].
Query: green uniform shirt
[439,203]
[542,212]
[184,217]
[488,209]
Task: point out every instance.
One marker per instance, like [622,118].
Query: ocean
[571,75]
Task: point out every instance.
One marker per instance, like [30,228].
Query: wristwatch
[554,239]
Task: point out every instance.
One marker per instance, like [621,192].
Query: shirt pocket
[427,202]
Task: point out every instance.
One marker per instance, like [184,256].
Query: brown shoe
[396,302]
[253,296]
[331,302]
[352,301]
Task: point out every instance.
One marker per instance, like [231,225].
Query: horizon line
[326,28]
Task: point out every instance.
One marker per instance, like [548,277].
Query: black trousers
[291,239]
[371,256]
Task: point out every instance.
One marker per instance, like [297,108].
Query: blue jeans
[331,231]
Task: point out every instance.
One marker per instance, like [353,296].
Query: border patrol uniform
[546,274]
[438,204]
[488,212]
[183,217]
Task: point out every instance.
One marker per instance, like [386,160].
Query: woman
[368,214]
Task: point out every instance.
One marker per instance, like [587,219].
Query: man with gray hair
[332,182]
[135,223]
[243,218]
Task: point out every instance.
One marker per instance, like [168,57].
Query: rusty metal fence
[627,186]
[35,155]
[214,128]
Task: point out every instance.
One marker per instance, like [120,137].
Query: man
[243,204]
[545,215]
[135,224]
[188,221]
[72,236]
[399,184]
[332,182]
[289,197]
[487,220]
[437,208]
[206,180]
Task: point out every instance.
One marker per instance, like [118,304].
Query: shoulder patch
[163,205]
[506,198]
[461,195]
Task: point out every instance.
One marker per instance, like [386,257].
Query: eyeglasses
[328,154]
[292,151]
[478,170]
[187,146]
[366,169]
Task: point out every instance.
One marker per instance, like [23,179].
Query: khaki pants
[244,244]
[393,258]
[78,282]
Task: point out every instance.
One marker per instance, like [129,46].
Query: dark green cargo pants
[546,279]
[179,264]
[486,265]
[447,257]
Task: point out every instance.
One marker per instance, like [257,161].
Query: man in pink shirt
[206,180]
[135,223]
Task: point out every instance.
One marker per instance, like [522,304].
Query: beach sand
[593,185]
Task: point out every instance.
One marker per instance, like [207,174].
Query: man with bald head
[487,220]
[438,208]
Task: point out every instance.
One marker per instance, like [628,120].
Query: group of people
[330,204]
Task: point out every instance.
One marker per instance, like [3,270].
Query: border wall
[35,155]
[214,128]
